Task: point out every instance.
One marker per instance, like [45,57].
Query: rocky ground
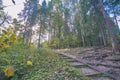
[101,58]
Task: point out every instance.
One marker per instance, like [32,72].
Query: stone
[89,72]
[113,58]
[76,64]
[103,68]
[111,64]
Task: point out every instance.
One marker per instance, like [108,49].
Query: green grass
[47,65]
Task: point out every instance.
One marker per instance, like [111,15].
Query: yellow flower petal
[29,63]
[9,71]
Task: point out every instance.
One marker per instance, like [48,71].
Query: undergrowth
[43,64]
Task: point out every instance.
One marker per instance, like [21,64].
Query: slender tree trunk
[29,37]
[24,34]
[39,32]
[50,31]
[83,41]
[49,35]
[109,27]
[103,36]
[39,39]
[54,31]
[59,35]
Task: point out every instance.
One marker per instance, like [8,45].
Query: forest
[35,45]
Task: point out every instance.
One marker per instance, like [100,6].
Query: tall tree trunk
[50,34]
[30,37]
[83,39]
[39,39]
[39,32]
[59,35]
[103,35]
[24,36]
[109,27]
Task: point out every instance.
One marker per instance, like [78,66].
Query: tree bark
[59,35]
[109,27]
[39,39]
[103,36]
[83,39]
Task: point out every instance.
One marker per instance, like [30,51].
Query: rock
[103,68]
[113,58]
[89,72]
[111,64]
[76,64]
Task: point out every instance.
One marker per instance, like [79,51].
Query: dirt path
[94,68]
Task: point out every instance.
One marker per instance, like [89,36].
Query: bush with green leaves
[8,38]
[19,61]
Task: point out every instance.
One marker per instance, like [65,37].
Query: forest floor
[101,58]
[36,64]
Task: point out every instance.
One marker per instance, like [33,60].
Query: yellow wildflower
[9,72]
[29,63]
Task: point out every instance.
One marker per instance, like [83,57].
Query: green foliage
[118,38]
[69,41]
[58,20]
[16,54]
[54,43]
[1,8]
[8,38]
[45,65]
[45,44]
